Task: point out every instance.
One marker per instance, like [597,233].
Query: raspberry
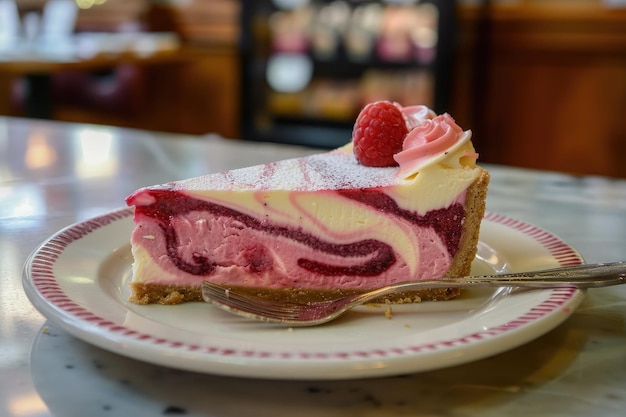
[378,134]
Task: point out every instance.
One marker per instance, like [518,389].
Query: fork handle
[579,276]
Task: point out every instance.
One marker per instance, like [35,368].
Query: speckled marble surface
[52,175]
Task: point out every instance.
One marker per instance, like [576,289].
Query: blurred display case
[309,66]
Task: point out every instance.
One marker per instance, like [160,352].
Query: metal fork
[314,313]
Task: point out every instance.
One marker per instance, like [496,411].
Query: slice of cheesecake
[313,228]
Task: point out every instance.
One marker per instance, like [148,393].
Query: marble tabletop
[55,174]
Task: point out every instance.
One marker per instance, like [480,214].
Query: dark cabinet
[308,67]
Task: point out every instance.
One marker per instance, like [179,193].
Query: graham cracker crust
[175,294]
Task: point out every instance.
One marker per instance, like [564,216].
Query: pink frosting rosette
[416,115]
[427,140]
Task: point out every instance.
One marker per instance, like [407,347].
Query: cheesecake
[320,226]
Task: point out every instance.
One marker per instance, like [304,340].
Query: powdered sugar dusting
[333,170]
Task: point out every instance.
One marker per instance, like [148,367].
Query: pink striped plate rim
[44,284]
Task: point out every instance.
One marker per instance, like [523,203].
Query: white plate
[78,279]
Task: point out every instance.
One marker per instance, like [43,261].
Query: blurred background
[541,83]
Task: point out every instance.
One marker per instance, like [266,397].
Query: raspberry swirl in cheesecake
[308,228]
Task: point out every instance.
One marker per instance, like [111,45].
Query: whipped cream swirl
[430,140]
